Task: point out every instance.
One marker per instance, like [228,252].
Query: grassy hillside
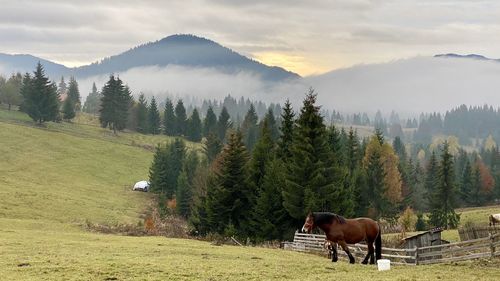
[55,177]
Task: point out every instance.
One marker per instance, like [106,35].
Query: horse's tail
[378,244]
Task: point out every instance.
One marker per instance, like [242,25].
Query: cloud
[330,34]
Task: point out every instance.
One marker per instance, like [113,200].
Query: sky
[307,37]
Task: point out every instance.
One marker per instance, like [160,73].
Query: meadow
[55,178]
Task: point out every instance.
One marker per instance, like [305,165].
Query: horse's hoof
[335,260]
[352,261]
[364,262]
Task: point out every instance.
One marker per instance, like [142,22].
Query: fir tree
[74,94]
[229,198]
[443,201]
[212,147]
[180,119]
[183,195]
[210,122]
[223,124]
[169,122]
[273,126]
[375,174]
[41,101]
[249,128]
[431,178]
[158,172]
[467,184]
[93,101]
[153,117]
[62,87]
[314,182]
[261,155]
[194,127]
[142,115]
[68,109]
[287,128]
[115,103]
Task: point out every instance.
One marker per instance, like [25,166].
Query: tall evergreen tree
[68,109]
[194,126]
[467,184]
[142,115]
[229,199]
[212,147]
[223,124]
[314,182]
[287,128]
[180,119]
[41,101]
[62,87]
[74,94]
[431,176]
[183,195]
[115,103]
[443,200]
[249,128]
[261,155]
[169,122]
[273,126]
[93,101]
[210,122]
[153,118]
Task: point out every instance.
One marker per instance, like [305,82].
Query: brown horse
[347,231]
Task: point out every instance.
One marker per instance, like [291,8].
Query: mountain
[179,50]
[26,63]
[469,56]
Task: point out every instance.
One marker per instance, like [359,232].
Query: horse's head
[309,223]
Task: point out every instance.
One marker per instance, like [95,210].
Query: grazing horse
[347,231]
[494,219]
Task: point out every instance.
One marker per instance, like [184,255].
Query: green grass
[54,178]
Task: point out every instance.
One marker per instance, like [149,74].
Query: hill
[179,50]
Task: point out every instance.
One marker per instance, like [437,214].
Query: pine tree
[142,115]
[467,184]
[180,119]
[261,155]
[431,178]
[194,127]
[169,122]
[74,94]
[314,182]
[249,128]
[68,109]
[62,87]
[183,195]
[158,172]
[287,128]
[115,103]
[271,220]
[153,118]
[223,124]
[375,174]
[41,101]
[443,201]
[93,101]
[210,122]
[273,126]
[212,147]
[229,198]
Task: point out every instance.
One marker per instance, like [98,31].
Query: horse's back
[495,217]
[364,228]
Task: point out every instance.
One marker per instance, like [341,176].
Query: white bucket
[384,264]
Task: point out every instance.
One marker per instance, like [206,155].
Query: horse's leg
[335,257]
[369,254]
[343,244]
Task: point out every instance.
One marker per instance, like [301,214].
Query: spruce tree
[183,195]
[194,127]
[62,87]
[212,147]
[431,178]
[180,119]
[467,184]
[41,101]
[273,126]
[249,128]
[261,155]
[115,103]
[68,109]
[153,118]
[169,119]
[287,128]
[229,197]
[142,115]
[443,200]
[210,122]
[74,94]
[158,172]
[314,182]
[223,124]
[93,101]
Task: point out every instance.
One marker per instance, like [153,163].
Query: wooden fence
[476,232]
[465,250]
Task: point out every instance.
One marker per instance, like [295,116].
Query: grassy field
[56,177]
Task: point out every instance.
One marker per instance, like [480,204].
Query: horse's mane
[326,217]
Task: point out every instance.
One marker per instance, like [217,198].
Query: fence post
[416,255]
[492,248]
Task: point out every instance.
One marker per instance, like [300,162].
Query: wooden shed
[428,238]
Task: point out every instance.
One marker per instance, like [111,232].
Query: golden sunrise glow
[295,63]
